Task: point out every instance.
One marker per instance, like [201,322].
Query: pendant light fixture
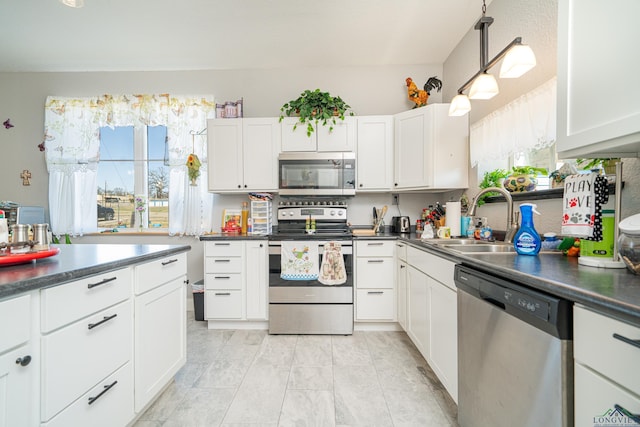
[73,3]
[518,59]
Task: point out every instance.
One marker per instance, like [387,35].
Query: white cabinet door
[443,333]
[257,276]
[260,148]
[340,136]
[418,313]
[431,149]
[17,371]
[160,338]
[224,152]
[605,124]
[297,139]
[375,153]
[402,293]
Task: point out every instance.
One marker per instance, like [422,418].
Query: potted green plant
[494,178]
[314,107]
[608,164]
[523,178]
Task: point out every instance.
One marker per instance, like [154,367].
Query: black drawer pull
[221,244]
[635,343]
[222,277]
[223,294]
[375,244]
[634,417]
[105,319]
[169,262]
[375,261]
[375,292]
[106,389]
[93,285]
[23,361]
[222,260]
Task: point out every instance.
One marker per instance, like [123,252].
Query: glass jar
[629,243]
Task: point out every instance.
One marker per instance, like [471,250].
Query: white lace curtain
[72,141]
[528,122]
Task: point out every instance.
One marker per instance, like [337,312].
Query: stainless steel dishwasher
[515,354]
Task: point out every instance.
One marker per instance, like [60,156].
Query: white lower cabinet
[160,327]
[401,284]
[607,380]
[19,362]
[375,281]
[236,280]
[432,321]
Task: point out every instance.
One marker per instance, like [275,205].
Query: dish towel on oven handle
[299,260]
[332,270]
[584,195]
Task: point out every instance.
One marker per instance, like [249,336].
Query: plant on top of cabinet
[314,107]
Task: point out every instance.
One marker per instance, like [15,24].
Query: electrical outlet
[396,199]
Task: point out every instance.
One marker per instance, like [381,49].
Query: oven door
[308,306]
[321,174]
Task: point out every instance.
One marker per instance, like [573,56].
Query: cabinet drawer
[375,304]
[222,248]
[595,346]
[223,265]
[375,272]
[596,397]
[375,248]
[15,318]
[223,304]
[401,251]
[76,357]
[158,272]
[113,407]
[223,281]
[67,303]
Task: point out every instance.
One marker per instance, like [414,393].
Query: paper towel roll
[453,218]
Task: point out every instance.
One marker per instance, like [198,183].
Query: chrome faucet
[512,221]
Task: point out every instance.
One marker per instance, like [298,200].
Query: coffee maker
[401,224]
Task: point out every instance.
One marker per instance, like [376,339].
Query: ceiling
[128,35]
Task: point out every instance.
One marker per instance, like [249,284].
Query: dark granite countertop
[76,262]
[232,236]
[612,291]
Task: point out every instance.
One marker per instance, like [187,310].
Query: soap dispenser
[527,240]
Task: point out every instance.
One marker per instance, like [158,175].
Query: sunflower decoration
[193,166]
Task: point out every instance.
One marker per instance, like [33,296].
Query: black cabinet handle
[403,266]
[105,319]
[23,361]
[375,244]
[635,343]
[634,417]
[221,244]
[223,294]
[375,261]
[169,262]
[360,185]
[104,390]
[261,245]
[93,285]
[222,277]
[239,186]
[222,260]
[245,186]
[375,292]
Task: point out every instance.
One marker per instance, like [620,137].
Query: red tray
[11,259]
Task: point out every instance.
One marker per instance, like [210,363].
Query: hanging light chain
[484,7]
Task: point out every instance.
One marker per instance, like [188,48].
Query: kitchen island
[92,335]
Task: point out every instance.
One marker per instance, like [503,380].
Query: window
[133,162]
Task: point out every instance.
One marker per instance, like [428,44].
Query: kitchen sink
[463,242]
[484,248]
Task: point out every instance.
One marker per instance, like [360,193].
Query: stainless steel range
[307,305]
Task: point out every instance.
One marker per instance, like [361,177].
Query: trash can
[198,299]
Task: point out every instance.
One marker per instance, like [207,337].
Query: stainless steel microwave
[319,174]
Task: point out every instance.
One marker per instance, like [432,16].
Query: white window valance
[72,141]
[528,122]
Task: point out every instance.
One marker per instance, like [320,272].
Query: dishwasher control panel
[527,303]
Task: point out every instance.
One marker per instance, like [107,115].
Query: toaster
[401,224]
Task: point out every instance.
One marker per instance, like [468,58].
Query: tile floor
[241,378]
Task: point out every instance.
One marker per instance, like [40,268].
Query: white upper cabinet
[598,94]
[431,149]
[243,154]
[375,153]
[341,138]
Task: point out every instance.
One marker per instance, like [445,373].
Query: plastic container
[629,243]
[527,240]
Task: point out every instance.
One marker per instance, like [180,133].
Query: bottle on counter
[4,228]
[527,240]
[245,217]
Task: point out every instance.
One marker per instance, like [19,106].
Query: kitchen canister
[19,233]
[41,236]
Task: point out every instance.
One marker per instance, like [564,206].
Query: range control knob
[340,213]
[332,213]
